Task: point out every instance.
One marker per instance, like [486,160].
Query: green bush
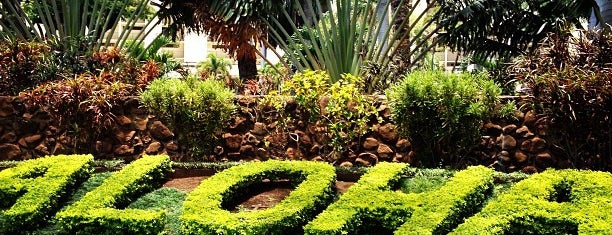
[442,113]
[196,109]
[97,212]
[32,191]
[203,211]
[553,202]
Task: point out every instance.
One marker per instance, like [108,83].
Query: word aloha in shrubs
[553,202]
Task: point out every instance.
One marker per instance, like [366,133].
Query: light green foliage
[341,106]
[215,67]
[445,208]
[204,213]
[553,202]
[195,109]
[97,211]
[93,182]
[31,191]
[426,180]
[371,202]
[442,113]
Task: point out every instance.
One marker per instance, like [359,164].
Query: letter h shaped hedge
[97,213]
[34,189]
[371,202]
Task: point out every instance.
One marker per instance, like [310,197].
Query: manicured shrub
[570,81]
[99,211]
[442,113]
[203,211]
[195,109]
[445,208]
[32,191]
[553,202]
[371,204]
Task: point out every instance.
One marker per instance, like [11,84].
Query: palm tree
[215,67]
[234,23]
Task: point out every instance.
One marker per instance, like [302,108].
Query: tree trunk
[247,68]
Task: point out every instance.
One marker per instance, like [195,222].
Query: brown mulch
[260,201]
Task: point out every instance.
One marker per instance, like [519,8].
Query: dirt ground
[263,200]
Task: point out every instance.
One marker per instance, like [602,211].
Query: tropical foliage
[215,67]
[570,79]
[354,34]
[508,27]
[91,23]
[237,35]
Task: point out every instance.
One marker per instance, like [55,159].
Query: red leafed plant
[570,79]
[85,104]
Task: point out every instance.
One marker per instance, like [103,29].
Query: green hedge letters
[552,202]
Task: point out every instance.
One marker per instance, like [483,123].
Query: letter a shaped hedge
[34,189]
[96,212]
[553,202]
[371,203]
[203,211]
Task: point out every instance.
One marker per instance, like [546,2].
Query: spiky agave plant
[352,33]
[65,20]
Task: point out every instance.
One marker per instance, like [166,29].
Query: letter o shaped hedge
[203,212]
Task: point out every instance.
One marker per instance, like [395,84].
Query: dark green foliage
[99,210]
[31,191]
[506,28]
[204,213]
[91,24]
[570,79]
[371,204]
[169,200]
[442,113]
[196,109]
[531,206]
